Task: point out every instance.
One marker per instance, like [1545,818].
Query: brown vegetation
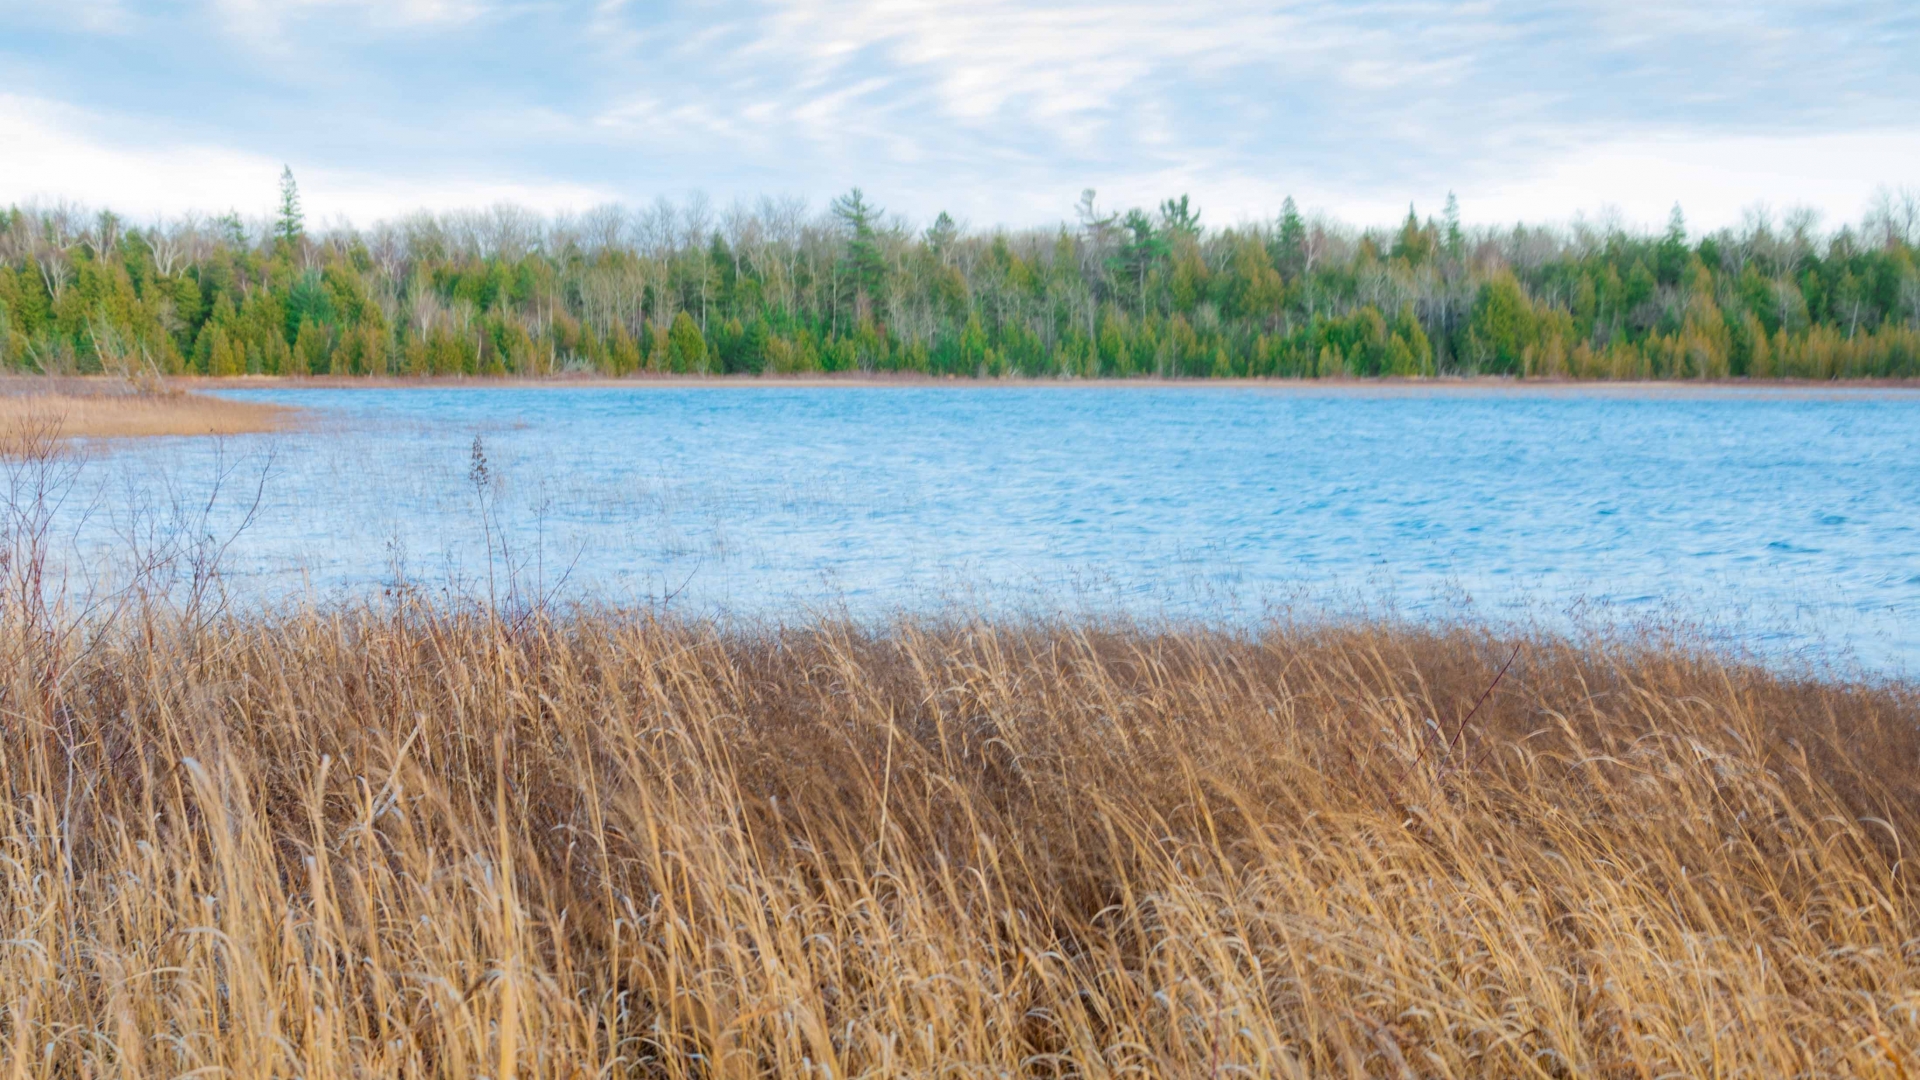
[92,408]
[408,841]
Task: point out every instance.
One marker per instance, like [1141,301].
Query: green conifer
[289,225]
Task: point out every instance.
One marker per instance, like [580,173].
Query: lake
[1787,519]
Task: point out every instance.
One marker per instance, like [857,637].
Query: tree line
[776,287]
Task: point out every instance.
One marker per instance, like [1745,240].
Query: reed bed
[100,408]
[413,840]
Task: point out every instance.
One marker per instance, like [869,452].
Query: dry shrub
[410,841]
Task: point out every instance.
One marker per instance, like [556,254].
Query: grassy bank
[408,842]
[114,408]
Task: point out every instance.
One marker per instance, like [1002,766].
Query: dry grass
[92,408]
[409,842]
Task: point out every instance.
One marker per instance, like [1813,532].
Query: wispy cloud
[268,19]
[1003,109]
[81,16]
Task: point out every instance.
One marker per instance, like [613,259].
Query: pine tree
[231,229]
[1414,243]
[864,264]
[1180,217]
[1292,254]
[1144,247]
[1456,242]
[941,235]
[1671,259]
[290,225]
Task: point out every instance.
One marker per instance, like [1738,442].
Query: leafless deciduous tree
[177,245]
[603,228]
[1893,217]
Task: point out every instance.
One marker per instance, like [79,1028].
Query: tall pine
[290,225]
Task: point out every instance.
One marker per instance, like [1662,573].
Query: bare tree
[425,238]
[175,246]
[16,238]
[102,237]
[741,228]
[54,240]
[696,220]
[658,228]
[1893,217]
[1802,225]
[696,224]
[508,232]
[603,228]
[388,248]
[786,226]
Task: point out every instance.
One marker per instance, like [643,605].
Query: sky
[998,111]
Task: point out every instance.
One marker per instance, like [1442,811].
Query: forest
[778,287]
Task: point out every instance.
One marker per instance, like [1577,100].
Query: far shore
[901,380]
[104,406]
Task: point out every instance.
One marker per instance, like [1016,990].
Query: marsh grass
[415,841]
[101,408]
[454,839]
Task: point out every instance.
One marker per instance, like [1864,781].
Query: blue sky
[999,111]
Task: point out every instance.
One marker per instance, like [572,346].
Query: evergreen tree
[1292,240]
[1455,241]
[1503,324]
[1414,243]
[311,349]
[1671,259]
[865,268]
[223,358]
[1144,248]
[232,230]
[686,347]
[1179,218]
[941,235]
[290,224]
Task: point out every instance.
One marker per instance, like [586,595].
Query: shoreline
[912,381]
[110,407]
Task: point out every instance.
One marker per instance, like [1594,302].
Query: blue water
[1789,520]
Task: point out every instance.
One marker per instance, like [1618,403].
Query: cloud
[49,159]
[82,16]
[1713,179]
[1001,110]
[53,156]
[269,18]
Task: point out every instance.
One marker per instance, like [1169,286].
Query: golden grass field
[412,841]
[98,408]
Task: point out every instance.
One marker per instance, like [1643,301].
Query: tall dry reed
[112,408]
[412,841]
[408,839]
